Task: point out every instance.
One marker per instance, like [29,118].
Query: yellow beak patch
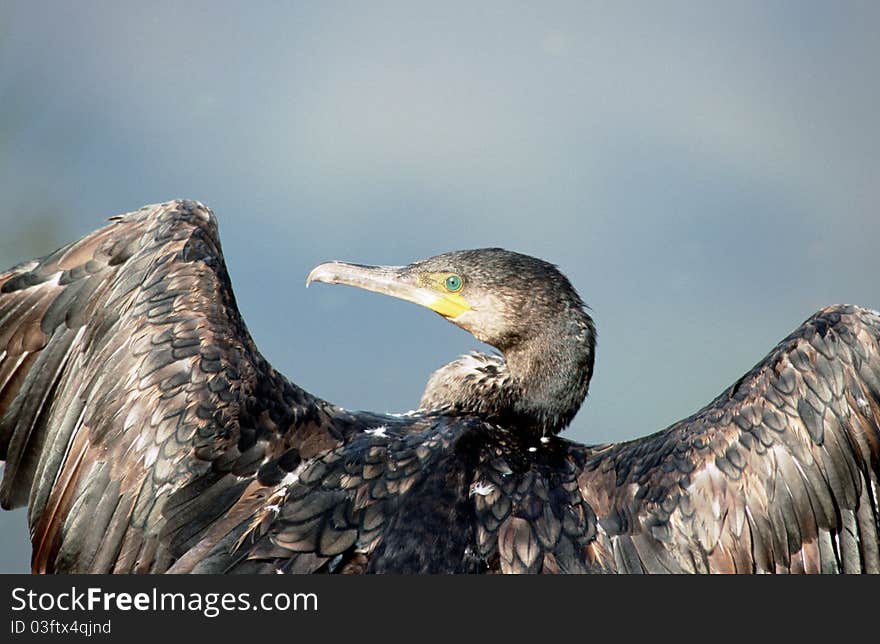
[450,305]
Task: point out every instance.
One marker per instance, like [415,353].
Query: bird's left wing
[778,474]
[136,414]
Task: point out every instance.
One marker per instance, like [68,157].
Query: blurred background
[707,174]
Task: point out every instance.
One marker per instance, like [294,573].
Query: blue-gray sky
[707,174]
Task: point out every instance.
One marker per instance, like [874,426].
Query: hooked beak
[395,281]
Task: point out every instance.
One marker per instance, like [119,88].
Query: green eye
[453,283]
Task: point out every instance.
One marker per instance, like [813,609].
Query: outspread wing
[136,415]
[778,474]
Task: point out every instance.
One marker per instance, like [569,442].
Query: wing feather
[779,473]
[148,434]
[127,376]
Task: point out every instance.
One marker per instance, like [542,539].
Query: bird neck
[536,387]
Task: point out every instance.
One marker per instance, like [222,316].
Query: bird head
[501,297]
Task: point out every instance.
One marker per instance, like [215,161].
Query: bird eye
[453,283]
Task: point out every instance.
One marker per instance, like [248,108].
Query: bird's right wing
[136,414]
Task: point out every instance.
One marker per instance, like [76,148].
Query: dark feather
[96,371]
[147,434]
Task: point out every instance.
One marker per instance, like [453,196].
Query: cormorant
[146,433]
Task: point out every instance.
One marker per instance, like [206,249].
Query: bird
[145,432]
